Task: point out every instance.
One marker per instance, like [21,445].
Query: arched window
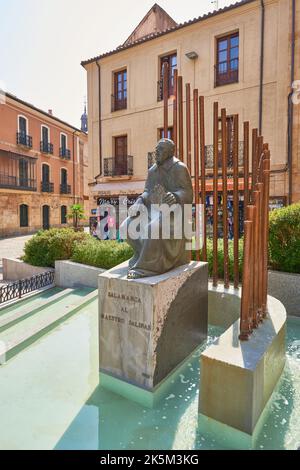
[23,215]
[63,214]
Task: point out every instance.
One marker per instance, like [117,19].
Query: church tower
[84,120]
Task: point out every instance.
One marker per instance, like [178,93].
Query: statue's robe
[158,256]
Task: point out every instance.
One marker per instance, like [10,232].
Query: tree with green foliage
[76,213]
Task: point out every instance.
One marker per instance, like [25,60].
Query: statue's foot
[132,274]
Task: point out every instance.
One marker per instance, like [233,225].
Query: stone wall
[10,211]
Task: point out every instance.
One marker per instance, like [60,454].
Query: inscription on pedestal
[148,326]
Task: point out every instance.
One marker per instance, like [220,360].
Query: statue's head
[165,149]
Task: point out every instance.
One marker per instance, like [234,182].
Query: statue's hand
[170,199]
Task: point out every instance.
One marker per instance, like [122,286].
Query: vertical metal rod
[254,160]
[245,327]
[175,107]
[256,198]
[166,97]
[215,194]
[266,182]
[260,143]
[203,179]
[180,118]
[251,215]
[236,199]
[188,128]
[260,259]
[196,170]
[246,165]
[224,183]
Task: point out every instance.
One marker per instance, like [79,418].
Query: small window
[63,212]
[171,60]
[227,63]
[120,90]
[23,215]
[45,135]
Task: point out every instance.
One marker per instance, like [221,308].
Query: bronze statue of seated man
[168,182]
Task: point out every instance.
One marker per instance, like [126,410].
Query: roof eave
[169,31]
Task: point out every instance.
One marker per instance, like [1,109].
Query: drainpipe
[74,192]
[262,52]
[100,127]
[290,104]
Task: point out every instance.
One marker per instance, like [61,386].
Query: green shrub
[221,258]
[102,254]
[47,246]
[284,244]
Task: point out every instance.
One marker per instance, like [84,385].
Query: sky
[42,43]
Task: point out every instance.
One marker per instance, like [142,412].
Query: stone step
[19,312]
[22,334]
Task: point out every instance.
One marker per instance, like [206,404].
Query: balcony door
[23,173]
[22,126]
[45,136]
[45,174]
[121,155]
[46,217]
[64,177]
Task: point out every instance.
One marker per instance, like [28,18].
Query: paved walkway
[12,248]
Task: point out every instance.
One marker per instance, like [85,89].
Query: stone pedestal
[149,326]
[238,377]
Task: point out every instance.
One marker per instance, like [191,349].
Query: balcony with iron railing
[160,88]
[47,187]
[24,140]
[14,182]
[65,189]
[64,153]
[117,104]
[209,157]
[46,147]
[227,72]
[118,166]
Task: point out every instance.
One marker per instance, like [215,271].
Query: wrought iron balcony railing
[118,103]
[65,189]
[227,72]
[118,166]
[160,88]
[24,139]
[47,187]
[14,182]
[209,157]
[46,147]
[65,153]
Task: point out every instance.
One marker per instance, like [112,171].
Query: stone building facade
[43,168]
[240,56]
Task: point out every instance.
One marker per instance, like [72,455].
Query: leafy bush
[221,258]
[284,244]
[47,246]
[102,254]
